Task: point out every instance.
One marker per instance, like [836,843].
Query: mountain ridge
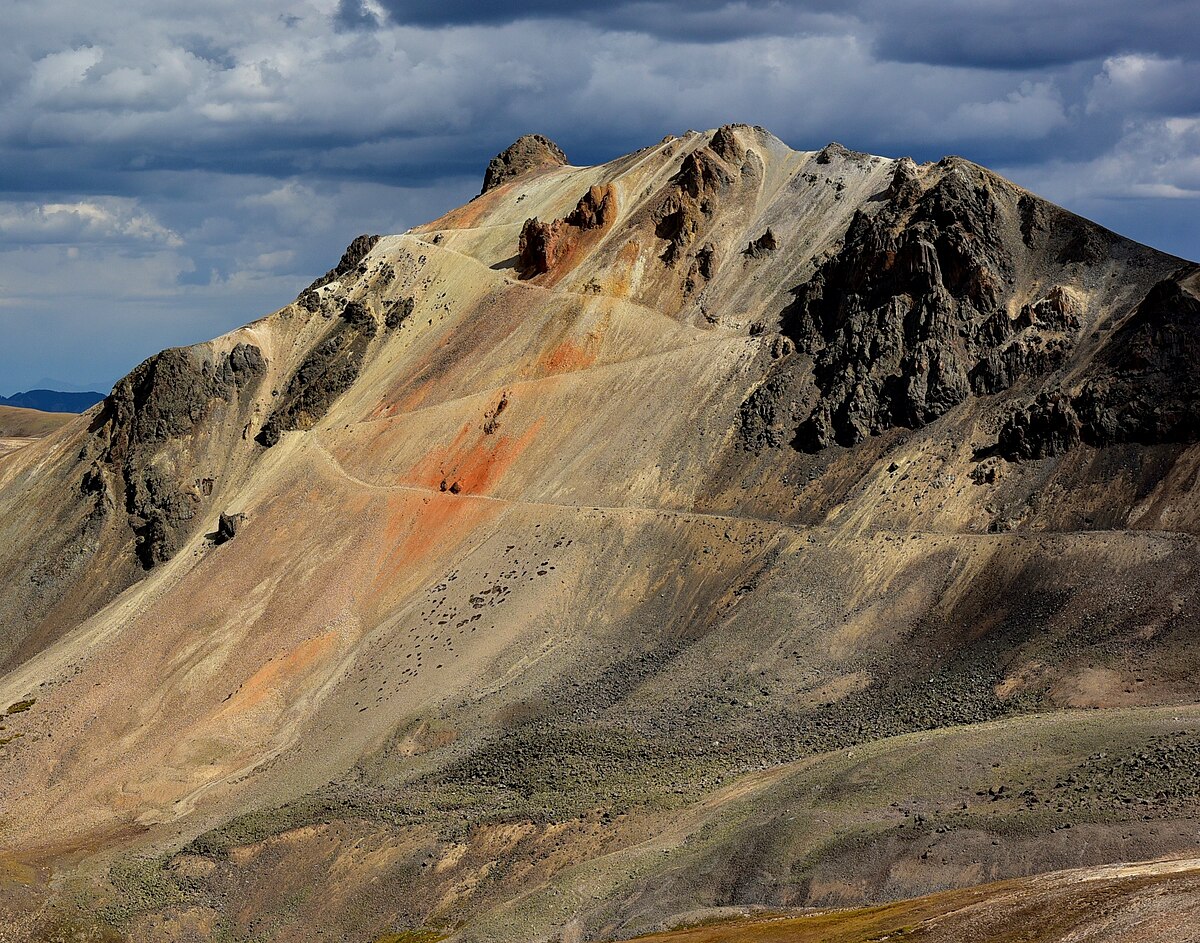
[553,528]
[53,401]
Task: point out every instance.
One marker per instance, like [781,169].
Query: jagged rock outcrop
[910,317]
[328,371]
[398,312]
[691,201]
[526,153]
[351,261]
[359,317]
[767,418]
[835,151]
[165,398]
[227,527]
[1141,388]
[763,246]
[544,246]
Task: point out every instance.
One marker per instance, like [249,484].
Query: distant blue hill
[53,401]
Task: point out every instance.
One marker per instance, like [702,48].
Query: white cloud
[60,72]
[96,220]
[1145,84]
[1029,112]
[1154,158]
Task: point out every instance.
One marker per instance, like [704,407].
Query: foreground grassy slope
[1120,904]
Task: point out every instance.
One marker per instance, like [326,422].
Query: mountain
[53,401]
[723,527]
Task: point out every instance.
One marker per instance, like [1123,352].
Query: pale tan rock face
[722,525]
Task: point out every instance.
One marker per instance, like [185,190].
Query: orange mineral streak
[279,673]
[474,460]
[567,357]
[466,216]
[419,526]
[423,527]
[620,283]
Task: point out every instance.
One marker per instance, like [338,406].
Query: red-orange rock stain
[422,525]
[278,673]
[468,215]
[620,283]
[475,460]
[567,356]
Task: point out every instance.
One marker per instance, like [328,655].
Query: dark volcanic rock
[835,151]
[690,202]
[359,316]
[350,261]
[327,372]
[166,397]
[762,246]
[227,527]
[762,419]
[526,153]
[398,312]
[910,317]
[1142,386]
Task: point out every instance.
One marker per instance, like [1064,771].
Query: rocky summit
[697,539]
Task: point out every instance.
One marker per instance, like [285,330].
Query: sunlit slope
[489,573]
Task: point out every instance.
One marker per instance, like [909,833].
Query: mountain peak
[526,153]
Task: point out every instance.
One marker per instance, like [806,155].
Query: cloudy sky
[174,168]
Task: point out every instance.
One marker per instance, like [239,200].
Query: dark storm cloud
[1025,34]
[1018,34]
[697,21]
[174,167]
[354,14]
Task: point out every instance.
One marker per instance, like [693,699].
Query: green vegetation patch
[418,935]
[141,885]
[21,706]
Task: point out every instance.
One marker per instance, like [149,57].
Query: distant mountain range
[53,401]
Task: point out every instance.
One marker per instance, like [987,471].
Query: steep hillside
[724,525]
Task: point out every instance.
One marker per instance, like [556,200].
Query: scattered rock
[491,420]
